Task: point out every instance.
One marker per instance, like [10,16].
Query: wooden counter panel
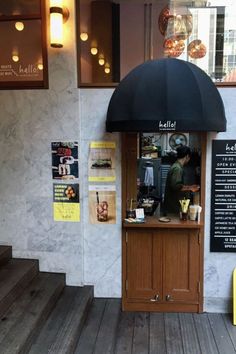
[153,222]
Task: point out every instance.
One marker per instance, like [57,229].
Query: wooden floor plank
[105,343]
[54,322]
[173,335]
[91,327]
[189,335]
[18,338]
[69,332]
[157,334]
[141,333]
[222,338]
[228,320]
[125,333]
[205,336]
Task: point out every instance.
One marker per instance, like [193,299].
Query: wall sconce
[58,16]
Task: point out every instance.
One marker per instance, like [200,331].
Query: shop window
[23,60]
[115,36]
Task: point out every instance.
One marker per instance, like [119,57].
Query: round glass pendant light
[196,49]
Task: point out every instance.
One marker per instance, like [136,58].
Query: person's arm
[176,179]
[177,183]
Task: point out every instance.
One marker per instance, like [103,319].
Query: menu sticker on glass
[102,204]
[101,164]
[65,160]
[223,196]
[66,202]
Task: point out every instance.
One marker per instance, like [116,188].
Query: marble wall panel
[29,121]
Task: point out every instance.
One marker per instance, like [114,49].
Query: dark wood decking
[108,330]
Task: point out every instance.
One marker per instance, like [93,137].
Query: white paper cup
[193,210]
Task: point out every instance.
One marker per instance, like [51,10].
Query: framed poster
[101,164]
[223,196]
[65,160]
[66,202]
[102,204]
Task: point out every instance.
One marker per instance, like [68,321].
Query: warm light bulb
[101,61]
[19,26]
[94,51]
[84,36]
[107,68]
[15,58]
[40,66]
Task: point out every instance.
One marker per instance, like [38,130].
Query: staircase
[38,313]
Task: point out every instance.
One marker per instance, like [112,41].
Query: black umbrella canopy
[166,95]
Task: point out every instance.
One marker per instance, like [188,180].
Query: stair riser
[5,256]
[18,289]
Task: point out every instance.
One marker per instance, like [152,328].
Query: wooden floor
[108,330]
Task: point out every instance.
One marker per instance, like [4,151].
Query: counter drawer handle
[168,297]
[156,298]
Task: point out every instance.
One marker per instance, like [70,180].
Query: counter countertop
[175,222]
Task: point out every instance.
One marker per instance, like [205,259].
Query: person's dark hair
[183,151]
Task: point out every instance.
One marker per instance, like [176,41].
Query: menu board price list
[223,196]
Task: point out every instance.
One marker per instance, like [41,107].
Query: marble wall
[102,243]
[29,121]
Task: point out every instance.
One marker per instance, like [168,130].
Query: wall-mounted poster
[65,160]
[101,164]
[102,204]
[223,196]
[66,202]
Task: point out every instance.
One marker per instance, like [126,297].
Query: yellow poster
[101,164]
[66,206]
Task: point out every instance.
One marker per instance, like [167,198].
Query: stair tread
[60,332]
[26,315]
[12,272]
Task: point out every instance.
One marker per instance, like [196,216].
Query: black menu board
[223,196]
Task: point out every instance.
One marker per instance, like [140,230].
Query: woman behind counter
[175,188]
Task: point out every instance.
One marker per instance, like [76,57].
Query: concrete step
[25,318]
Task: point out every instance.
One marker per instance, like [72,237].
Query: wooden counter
[153,222]
[162,265]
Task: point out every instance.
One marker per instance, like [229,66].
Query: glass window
[23,60]
[115,36]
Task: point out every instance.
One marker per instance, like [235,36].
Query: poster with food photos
[65,160]
[101,163]
[102,204]
[66,202]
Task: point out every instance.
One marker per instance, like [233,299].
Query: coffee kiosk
[162,263]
